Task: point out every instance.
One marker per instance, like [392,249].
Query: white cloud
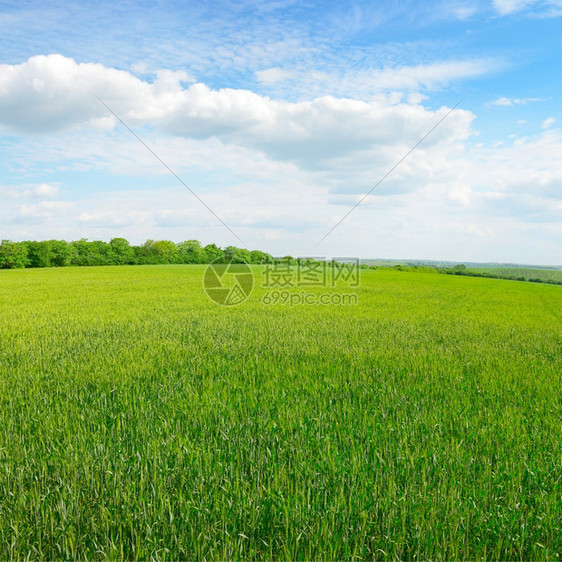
[313,133]
[506,102]
[140,67]
[50,93]
[510,102]
[267,167]
[43,210]
[431,75]
[367,83]
[476,204]
[543,8]
[461,10]
[35,191]
[547,123]
[272,75]
[45,190]
[53,93]
[505,7]
[440,195]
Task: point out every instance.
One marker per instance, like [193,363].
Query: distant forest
[118,251]
[59,253]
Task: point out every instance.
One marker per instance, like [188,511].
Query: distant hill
[469,265]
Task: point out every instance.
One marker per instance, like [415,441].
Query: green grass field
[139,419]
[526,273]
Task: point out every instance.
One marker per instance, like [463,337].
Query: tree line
[118,251]
[461,269]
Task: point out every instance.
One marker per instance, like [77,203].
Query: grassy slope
[139,419]
[526,272]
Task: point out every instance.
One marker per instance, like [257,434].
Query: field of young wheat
[523,273]
[140,419]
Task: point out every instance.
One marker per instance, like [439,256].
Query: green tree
[13,255]
[288,259]
[92,253]
[122,251]
[62,253]
[50,253]
[256,256]
[191,251]
[237,255]
[157,252]
[212,253]
[39,253]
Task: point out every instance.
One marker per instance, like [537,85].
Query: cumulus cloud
[267,166]
[314,133]
[51,93]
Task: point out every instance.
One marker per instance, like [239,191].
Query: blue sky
[281,115]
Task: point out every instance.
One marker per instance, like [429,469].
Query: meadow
[141,420]
[543,275]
